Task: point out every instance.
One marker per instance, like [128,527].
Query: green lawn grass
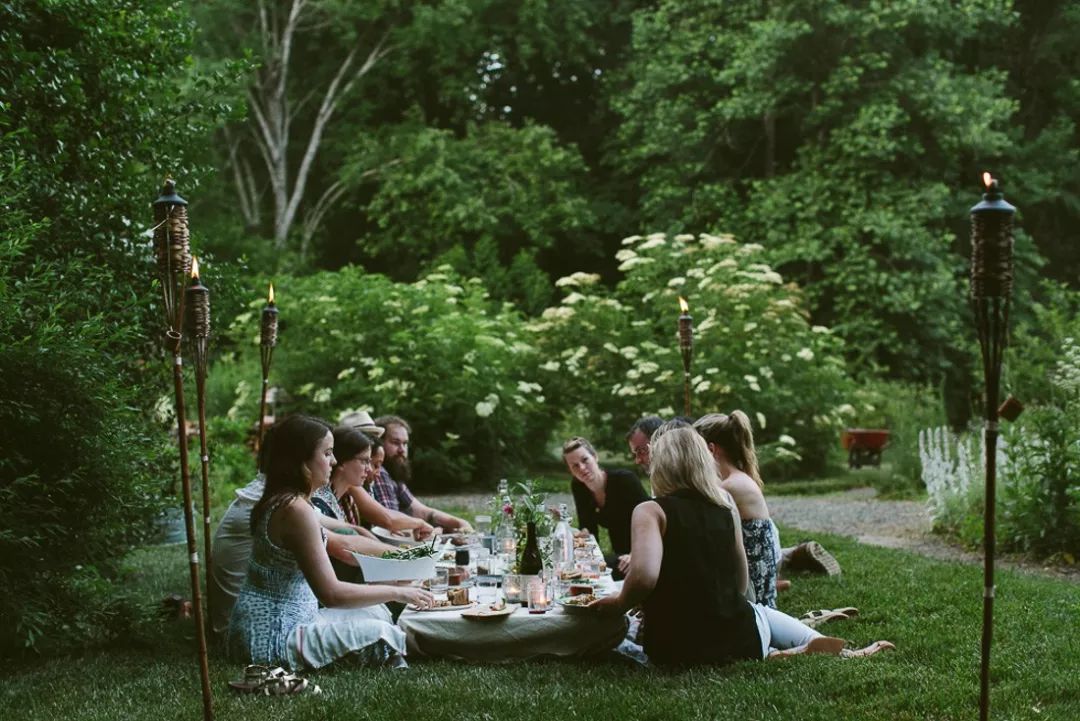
[930,609]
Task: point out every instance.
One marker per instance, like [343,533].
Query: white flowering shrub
[438,352]
[611,356]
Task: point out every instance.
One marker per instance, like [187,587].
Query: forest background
[479,213]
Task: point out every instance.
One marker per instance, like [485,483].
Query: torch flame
[987,179]
[683,305]
[270,297]
[194,267]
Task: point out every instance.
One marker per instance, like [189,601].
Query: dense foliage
[612,356]
[437,352]
[91,118]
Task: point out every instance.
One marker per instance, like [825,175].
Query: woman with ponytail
[731,443]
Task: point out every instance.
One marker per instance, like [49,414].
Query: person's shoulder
[739,482]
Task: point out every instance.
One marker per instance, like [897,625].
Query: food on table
[409,554]
[582,600]
[566,575]
[579,589]
[458,596]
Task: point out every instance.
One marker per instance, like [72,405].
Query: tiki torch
[172,253]
[198,319]
[686,346]
[991,288]
[267,341]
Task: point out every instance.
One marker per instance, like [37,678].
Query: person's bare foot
[870,650]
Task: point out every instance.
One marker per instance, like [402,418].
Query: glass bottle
[531,561]
[562,541]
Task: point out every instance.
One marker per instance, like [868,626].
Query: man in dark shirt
[390,488]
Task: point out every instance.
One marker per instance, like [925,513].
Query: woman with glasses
[346,489]
[603,497]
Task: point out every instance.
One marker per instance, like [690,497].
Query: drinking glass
[482,557]
[487,589]
[441,581]
[483,524]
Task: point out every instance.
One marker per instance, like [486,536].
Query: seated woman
[731,444]
[603,498]
[688,570]
[355,451]
[277,619]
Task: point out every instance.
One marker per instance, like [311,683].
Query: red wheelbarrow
[864,445]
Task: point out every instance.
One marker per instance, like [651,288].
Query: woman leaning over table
[277,619]
[603,498]
[688,570]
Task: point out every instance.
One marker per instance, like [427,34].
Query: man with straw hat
[361,421]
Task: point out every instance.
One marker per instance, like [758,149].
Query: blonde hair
[680,459]
[733,435]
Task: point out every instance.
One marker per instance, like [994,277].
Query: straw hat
[361,421]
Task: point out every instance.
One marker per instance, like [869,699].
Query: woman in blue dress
[277,619]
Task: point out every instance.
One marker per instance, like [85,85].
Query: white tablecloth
[446,634]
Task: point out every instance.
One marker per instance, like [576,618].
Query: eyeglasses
[364,461]
[640,451]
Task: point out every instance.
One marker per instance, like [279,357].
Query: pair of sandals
[813,619]
[272,682]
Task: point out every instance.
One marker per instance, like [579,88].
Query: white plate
[484,612]
[442,608]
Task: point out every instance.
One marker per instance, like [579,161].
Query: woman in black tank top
[688,570]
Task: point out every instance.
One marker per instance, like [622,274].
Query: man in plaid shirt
[390,487]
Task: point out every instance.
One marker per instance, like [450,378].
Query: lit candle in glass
[539,599]
[513,588]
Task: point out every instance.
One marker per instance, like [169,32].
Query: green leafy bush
[460,368]
[612,355]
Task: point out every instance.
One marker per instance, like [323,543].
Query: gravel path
[855,513]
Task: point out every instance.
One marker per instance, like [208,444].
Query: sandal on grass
[272,682]
[813,619]
[870,650]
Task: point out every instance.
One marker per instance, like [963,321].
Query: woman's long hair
[288,446]
[733,435]
[680,459]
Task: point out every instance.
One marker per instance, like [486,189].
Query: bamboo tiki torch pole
[198,305]
[267,340]
[991,288]
[173,255]
[686,346]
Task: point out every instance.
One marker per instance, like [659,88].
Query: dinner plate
[484,612]
[436,609]
[572,607]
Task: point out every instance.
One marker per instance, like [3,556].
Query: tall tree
[837,134]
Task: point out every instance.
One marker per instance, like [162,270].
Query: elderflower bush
[438,352]
[612,356]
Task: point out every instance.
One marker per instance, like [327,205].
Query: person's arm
[299,531]
[341,547]
[742,571]
[646,556]
[585,508]
[438,518]
[376,514]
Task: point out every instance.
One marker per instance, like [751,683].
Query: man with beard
[390,487]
